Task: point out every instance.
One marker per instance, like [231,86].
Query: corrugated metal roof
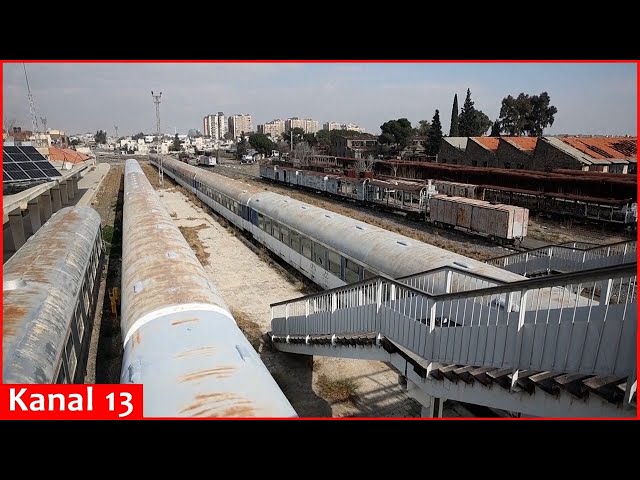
[457,142]
[604,148]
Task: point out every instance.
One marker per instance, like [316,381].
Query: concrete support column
[64,193]
[56,198]
[33,224]
[436,407]
[17,228]
[71,188]
[46,211]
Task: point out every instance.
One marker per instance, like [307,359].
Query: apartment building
[239,124]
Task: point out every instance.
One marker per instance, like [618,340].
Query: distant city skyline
[592,98]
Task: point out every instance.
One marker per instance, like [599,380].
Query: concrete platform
[25,212]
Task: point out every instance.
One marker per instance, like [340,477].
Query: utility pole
[32,109]
[156,100]
[44,123]
[117,148]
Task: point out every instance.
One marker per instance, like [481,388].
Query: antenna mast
[156,100]
[32,109]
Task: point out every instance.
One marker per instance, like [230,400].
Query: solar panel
[26,163]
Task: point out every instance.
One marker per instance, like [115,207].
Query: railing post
[549,260]
[392,292]
[519,334]
[606,287]
[334,302]
[447,281]
[306,308]
[432,337]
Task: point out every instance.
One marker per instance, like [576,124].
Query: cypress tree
[454,131]
[435,135]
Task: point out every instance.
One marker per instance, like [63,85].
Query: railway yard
[322,387]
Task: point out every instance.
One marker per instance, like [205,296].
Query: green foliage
[242,147]
[138,136]
[435,136]
[398,132]
[472,122]
[495,129]
[176,146]
[526,115]
[454,130]
[262,143]
[100,137]
[297,133]
[423,128]
[311,139]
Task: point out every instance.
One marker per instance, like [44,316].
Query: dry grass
[250,328]
[337,390]
[191,236]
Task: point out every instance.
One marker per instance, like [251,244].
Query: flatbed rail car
[505,224]
[49,295]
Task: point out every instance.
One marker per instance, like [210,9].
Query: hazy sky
[591,98]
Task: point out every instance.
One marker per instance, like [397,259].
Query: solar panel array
[25,163]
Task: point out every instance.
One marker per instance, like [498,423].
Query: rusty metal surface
[41,286]
[180,340]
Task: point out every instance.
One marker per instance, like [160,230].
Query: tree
[495,129]
[542,114]
[435,136]
[526,115]
[303,152]
[454,131]
[365,164]
[396,131]
[297,133]
[423,128]
[138,136]
[242,147]
[472,122]
[176,147]
[261,143]
[228,135]
[310,138]
[100,137]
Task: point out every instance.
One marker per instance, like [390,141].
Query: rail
[560,258]
[579,323]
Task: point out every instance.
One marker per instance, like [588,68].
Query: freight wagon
[505,224]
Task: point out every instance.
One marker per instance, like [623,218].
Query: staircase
[556,346]
[565,258]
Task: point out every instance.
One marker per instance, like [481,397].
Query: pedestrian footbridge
[565,258]
[552,346]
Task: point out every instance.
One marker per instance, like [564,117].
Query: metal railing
[582,323]
[565,259]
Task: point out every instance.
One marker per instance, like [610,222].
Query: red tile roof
[490,143]
[603,148]
[526,144]
[66,155]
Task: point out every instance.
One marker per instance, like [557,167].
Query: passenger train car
[330,249]
[49,298]
[180,340]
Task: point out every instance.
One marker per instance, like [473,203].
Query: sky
[591,98]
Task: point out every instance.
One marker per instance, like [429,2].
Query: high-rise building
[342,126]
[274,128]
[308,125]
[239,124]
[215,126]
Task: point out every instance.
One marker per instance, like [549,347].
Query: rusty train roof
[42,282]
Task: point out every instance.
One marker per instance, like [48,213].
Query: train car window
[267,225]
[319,254]
[334,263]
[295,241]
[306,246]
[368,274]
[351,271]
[275,230]
[79,319]
[284,235]
[62,377]
[70,353]
[261,221]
